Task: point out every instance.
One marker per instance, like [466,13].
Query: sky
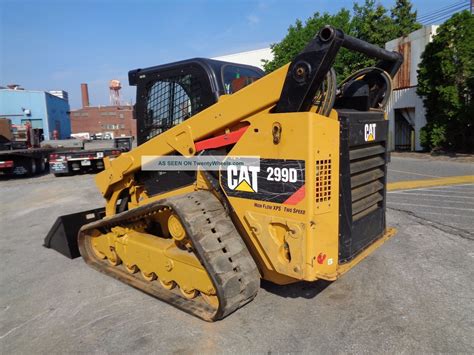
[57,45]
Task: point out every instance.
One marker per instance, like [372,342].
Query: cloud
[253,19]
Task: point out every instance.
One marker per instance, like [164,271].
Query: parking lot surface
[414,294]
[450,207]
[405,169]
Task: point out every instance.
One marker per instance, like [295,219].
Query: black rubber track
[216,243]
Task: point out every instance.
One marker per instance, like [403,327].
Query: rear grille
[362,171]
[367,166]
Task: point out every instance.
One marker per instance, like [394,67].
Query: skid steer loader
[201,240]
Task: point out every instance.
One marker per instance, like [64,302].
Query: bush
[433,136]
[445,81]
[438,136]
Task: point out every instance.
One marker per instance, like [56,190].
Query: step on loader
[311,209]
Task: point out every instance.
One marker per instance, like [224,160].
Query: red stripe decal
[296,197]
[220,141]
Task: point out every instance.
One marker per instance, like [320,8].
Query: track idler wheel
[211,300]
[175,228]
[97,252]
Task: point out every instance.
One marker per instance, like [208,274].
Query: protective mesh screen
[323,180]
[171,101]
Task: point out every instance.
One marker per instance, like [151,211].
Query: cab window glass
[170,102]
[236,77]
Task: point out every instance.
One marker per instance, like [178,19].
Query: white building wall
[253,58]
[406,98]
[419,39]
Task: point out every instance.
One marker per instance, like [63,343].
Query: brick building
[104,119]
[113,120]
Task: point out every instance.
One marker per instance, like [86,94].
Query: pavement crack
[462,233]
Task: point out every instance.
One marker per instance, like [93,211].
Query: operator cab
[171,93]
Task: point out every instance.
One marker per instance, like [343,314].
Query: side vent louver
[367,166]
[323,180]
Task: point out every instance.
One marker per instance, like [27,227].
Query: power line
[454,7]
[444,13]
[443,8]
[442,19]
[435,12]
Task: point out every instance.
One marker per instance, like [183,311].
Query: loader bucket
[62,236]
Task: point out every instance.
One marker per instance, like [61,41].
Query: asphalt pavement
[451,207]
[405,169]
[414,294]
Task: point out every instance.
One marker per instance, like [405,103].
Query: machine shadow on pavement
[306,290]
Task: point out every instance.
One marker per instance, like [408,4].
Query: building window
[85,114]
[114,126]
[76,114]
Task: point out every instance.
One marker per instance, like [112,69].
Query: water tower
[115,86]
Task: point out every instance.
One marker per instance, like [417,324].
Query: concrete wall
[250,58]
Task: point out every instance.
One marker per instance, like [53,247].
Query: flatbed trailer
[24,162]
[63,163]
[68,162]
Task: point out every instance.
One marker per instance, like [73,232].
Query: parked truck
[20,151]
[90,159]
[24,153]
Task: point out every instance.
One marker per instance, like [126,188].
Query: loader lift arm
[307,71]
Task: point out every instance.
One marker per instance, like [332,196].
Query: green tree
[301,33]
[446,82]
[370,22]
[404,18]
